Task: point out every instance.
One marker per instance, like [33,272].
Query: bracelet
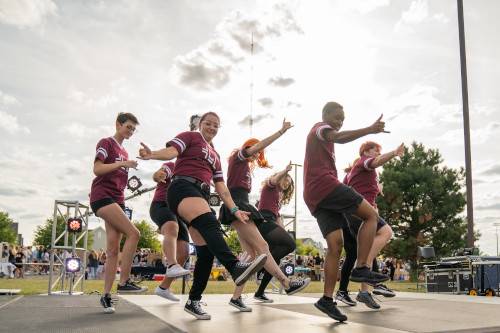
[234,209]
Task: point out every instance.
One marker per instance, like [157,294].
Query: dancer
[328,200]
[277,191]
[363,178]
[107,199]
[241,164]
[197,164]
[175,233]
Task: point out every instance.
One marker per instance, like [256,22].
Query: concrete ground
[408,312]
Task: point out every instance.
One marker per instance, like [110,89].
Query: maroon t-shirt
[270,198]
[364,179]
[110,185]
[238,171]
[320,172]
[197,158]
[161,188]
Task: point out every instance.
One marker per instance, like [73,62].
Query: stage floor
[408,312]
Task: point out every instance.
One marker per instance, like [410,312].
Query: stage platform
[408,312]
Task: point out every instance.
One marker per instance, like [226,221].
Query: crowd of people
[346,212]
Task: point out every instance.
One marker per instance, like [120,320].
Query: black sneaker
[238,303]
[130,287]
[329,307]
[383,290]
[366,297]
[194,308]
[263,298]
[297,285]
[243,271]
[108,303]
[364,274]
[344,297]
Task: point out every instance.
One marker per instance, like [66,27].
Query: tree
[232,240]
[7,234]
[43,234]
[305,249]
[423,202]
[149,236]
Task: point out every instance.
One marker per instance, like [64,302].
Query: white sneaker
[166,293]
[177,271]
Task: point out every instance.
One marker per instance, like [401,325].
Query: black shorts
[330,212]
[180,189]
[269,224]
[240,198]
[354,223]
[98,204]
[268,215]
[160,213]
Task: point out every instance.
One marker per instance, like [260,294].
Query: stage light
[134,183]
[72,265]
[74,225]
[214,199]
[289,269]
[128,212]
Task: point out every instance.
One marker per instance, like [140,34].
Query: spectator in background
[299,261]
[317,267]
[93,264]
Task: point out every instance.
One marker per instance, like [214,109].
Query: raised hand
[160,176]
[378,126]
[400,150]
[286,126]
[130,164]
[288,167]
[144,152]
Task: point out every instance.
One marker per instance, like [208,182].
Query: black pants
[201,274]
[280,244]
[351,254]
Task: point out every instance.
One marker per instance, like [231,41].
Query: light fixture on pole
[134,183]
[74,225]
[72,265]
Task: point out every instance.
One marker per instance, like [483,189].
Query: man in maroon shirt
[328,200]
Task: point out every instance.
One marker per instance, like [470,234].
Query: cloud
[478,136]
[489,207]
[10,124]
[7,99]
[293,104]
[26,13]
[16,192]
[279,81]
[266,102]
[246,121]
[364,6]
[492,171]
[211,66]
[417,13]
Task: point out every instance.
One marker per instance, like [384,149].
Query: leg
[382,237]
[334,242]
[113,238]
[203,266]
[350,247]
[116,218]
[366,232]
[169,230]
[182,256]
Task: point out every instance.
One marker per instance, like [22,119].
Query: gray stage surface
[407,312]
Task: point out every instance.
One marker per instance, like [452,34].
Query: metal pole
[465,103]
[496,225]
[295,199]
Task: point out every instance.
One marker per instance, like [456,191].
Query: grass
[39,285]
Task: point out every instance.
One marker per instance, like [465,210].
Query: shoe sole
[340,299]
[252,269]
[240,309]
[263,301]
[197,316]
[175,299]
[109,311]
[132,291]
[320,308]
[384,294]
[178,274]
[301,288]
[365,280]
[368,305]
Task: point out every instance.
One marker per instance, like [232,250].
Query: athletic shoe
[131,287]
[166,293]
[297,285]
[238,303]
[177,271]
[243,271]
[383,290]
[366,297]
[108,303]
[329,307]
[194,308]
[365,274]
[344,297]
[263,298]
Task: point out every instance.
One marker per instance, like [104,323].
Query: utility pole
[496,225]
[296,166]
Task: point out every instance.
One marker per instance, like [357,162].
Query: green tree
[423,201]
[232,240]
[7,234]
[149,236]
[305,249]
[43,234]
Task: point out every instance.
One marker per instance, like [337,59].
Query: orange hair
[367,146]
[261,160]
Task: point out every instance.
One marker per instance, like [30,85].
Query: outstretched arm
[270,139]
[165,154]
[101,169]
[382,159]
[280,175]
[348,136]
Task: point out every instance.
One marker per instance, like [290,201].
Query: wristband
[234,209]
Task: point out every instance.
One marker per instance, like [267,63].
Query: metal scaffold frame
[68,281]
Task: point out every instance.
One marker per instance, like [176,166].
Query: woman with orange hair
[239,181]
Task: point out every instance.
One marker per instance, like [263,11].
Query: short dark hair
[331,107]
[124,116]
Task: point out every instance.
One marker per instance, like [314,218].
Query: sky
[68,67]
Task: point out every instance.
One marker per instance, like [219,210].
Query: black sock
[170,265]
[162,288]
[327,298]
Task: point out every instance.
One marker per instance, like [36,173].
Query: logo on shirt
[210,156]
